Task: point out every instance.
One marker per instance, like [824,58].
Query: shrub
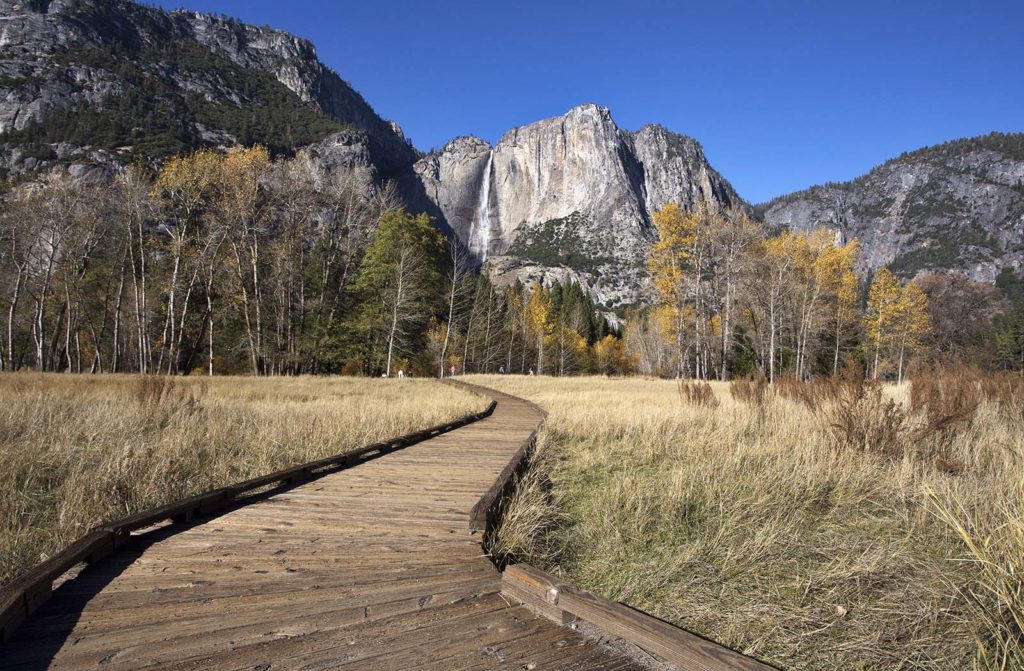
[697,392]
[861,418]
[945,403]
[1006,391]
[753,390]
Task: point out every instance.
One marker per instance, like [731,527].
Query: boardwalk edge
[571,606]
[487,512]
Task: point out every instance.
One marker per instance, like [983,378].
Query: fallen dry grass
[79,450]
[756,519]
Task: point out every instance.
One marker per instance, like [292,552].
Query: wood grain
[565,603]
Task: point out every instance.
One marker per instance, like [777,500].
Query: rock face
[63,55]
[567,197]
[956,206]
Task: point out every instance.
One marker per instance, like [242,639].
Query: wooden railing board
[565,603]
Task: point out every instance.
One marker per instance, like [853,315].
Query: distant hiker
[401,373]
[531,371]
[501,370]
[452,370]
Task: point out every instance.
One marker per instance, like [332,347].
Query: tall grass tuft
[996,597]
[754,391]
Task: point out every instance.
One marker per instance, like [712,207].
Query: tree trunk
[11,312]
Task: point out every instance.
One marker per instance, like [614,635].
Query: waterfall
[480,236]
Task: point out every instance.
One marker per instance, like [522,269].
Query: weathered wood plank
[564,602]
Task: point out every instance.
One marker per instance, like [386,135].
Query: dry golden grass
[754,521]
[79,450]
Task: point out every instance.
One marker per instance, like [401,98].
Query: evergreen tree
[398,283]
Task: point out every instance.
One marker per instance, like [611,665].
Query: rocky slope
[569,196]
[101,80]
[955,206]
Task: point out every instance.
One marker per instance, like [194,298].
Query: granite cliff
[570,196]
[87,83]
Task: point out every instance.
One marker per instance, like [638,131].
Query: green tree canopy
[398,284]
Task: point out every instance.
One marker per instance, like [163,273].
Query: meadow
[838,524]
[79,450]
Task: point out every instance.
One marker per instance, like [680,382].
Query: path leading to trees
[372,567]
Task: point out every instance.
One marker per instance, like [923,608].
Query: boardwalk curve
[373,567]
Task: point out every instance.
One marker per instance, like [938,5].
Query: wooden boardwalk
[367,568]
[372,567]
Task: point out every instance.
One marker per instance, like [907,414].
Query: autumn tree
[667,265]
[611,358]
[538,322]
[644,340]
[182,190]
[733,242]
[243,208]
[780,255]
[912,323]
[896,320]
[882,315]
[835,268]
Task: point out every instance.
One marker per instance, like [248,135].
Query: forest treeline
[234,262]
[735,298]
[238,263]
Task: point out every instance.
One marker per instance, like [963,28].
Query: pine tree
[398,279]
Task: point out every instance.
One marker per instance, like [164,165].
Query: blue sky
[782,95]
